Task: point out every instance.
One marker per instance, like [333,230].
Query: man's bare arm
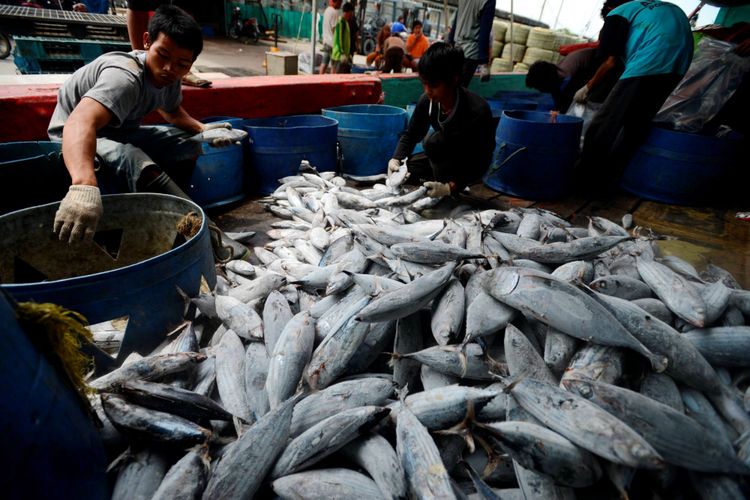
[607,66]
[182,120]
[79,139]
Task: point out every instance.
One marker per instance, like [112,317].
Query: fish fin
[658,363]
[402,393]
[482,488]
[463,428]
[437,233]
[120,460]
[189,308]
[394,357]
[494,459]
[463,359]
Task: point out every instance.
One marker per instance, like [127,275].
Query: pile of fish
[373,352]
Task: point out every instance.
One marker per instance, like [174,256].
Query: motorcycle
[369,34]
[248,28]
[5,46]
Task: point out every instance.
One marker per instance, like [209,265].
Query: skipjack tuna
[371,351]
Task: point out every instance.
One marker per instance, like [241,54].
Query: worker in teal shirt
[654,41]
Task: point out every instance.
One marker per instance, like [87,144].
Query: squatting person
[459,151]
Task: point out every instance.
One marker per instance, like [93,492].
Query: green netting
[290,19]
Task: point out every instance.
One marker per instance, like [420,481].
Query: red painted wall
[26,109]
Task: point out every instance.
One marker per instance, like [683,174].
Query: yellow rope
[60,333]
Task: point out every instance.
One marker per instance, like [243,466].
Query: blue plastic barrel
[219,174]
[52,449]
[534,158]
[233,120]
[279,144]
[31,173]
[498,105]
[681,168]
[544,102]
[133,269]
[368,134]
[410,111]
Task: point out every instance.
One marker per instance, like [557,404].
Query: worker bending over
[654,40]
[99,113]
[459,150]
[563,80]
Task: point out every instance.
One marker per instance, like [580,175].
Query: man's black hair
[348,7]
[441,63]
[177,25]
[416,23]
[543,76]
[611,4]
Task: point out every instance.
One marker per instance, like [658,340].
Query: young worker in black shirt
[459,151]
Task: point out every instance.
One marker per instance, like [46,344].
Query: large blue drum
[681,168]
[278,145]
[535,156]
[368,134]
[133,268]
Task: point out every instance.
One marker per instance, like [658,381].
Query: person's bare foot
[192,80]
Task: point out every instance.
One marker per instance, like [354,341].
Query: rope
[59,334]
[189,225]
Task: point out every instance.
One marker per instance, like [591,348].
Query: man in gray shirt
[471,31]
[99,113]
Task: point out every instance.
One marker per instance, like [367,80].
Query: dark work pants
[621,125]
[435,164]
[470,67]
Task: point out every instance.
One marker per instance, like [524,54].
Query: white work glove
[582,95]
[79,214]
[220,135]
[484,73]
[394,166]
[437,189]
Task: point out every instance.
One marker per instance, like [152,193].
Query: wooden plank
[735,258]
[565,208]
[480,192]
[704,235]
[612,208]
[702,225]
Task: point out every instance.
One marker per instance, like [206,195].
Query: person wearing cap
[398,26]
[460,149]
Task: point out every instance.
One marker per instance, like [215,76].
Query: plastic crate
[44,48]
[29,66]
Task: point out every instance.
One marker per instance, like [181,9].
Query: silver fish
[563,307]
[675,291]
[374,454]
[665,429]
[325,438]
[327,484]
[248,460]
[289,358]
[425,473]
[585,424]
